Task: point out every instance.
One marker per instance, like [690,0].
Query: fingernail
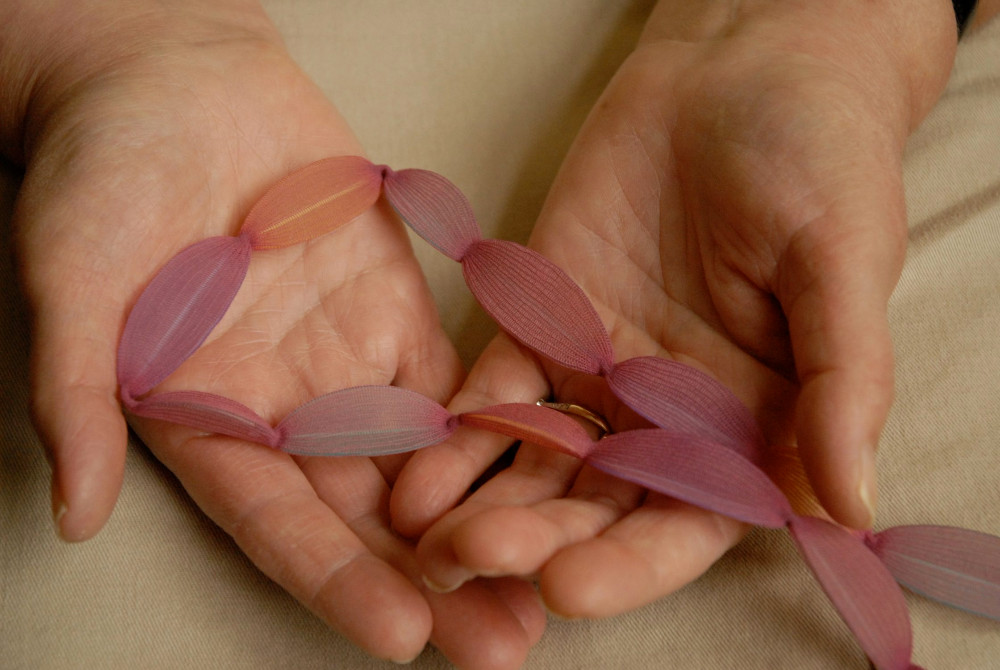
[408,660]
[556,615]
[867,489]
[438,587]
[57,514]
[59,508]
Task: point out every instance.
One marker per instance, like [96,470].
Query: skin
[146,131]
[740,182]
[150,129]
[985,10]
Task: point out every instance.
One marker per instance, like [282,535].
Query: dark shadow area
[19,452]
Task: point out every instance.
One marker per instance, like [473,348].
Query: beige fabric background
[490,94]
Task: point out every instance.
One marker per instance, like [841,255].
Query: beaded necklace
[706,448]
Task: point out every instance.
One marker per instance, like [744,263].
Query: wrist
[902,49]
[49,50]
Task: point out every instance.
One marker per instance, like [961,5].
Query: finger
[76,294]
[487,626]
[436,478]
[85,436]
[537,474]
[475,627]
[523,600]
[650,553]
[430,366]
[75,406]
[266,503]
[507,539]
[428,362]
[834,283]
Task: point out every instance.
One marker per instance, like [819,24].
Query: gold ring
[580,411]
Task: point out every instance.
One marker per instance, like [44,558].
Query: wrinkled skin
[734,201]
[139,145]
[737,186]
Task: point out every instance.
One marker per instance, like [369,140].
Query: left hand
[735,202]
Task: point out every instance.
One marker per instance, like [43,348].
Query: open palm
[172,144]
[734,204]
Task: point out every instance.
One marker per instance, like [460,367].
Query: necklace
[705,448]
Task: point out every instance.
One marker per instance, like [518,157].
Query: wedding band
[579,411]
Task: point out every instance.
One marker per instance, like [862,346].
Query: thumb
[78,418]
[74,333]
[436,478]
[834,283]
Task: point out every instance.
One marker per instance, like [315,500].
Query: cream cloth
[490,94]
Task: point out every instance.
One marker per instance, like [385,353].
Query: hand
[734,201]
[159,134]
